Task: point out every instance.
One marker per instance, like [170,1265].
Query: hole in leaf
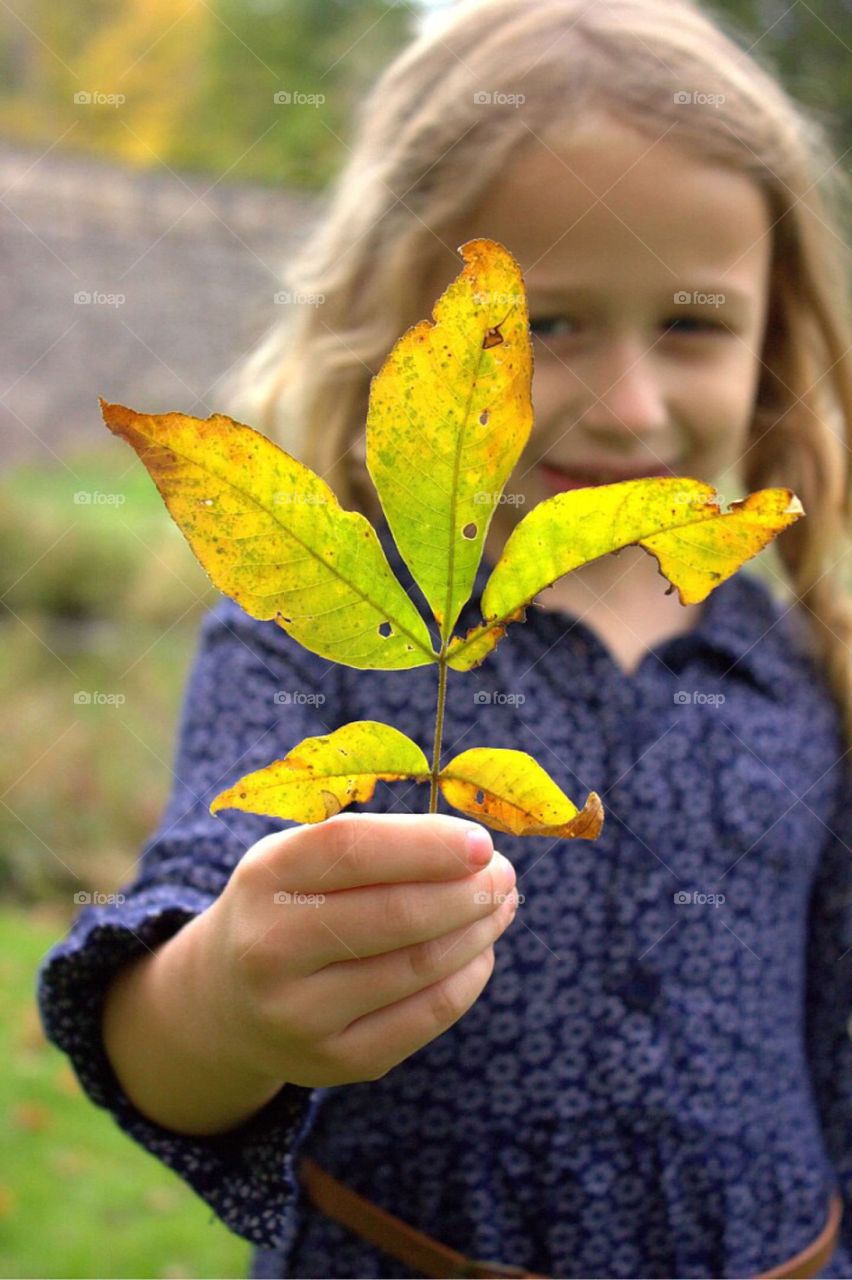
[469,531]
[483,417]
[385,629]
[479,797]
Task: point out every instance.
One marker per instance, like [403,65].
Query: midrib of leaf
[392,775]
[242,494]
[445,638]
[454,504]
[449,775]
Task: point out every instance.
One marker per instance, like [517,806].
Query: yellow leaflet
[674,518]
[509,791]
[271,534]
[450,412]
[323,775]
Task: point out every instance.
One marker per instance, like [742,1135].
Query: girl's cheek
[553,391]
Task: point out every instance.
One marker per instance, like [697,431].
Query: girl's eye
[692,324]
[552,326]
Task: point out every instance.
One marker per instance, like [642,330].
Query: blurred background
[160,161]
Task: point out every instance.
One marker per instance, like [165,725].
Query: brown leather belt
[425,1254]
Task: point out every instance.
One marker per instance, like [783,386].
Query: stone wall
[180,272]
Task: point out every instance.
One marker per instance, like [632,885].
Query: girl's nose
[626,389]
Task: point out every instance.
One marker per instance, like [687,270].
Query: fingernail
[479,847]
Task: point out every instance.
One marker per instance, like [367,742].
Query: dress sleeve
[829,995]
[253,693]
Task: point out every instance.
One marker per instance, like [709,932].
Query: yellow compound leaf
[509,791]
[323,775]
[676,519]
[450,413]
[271,534]
[449,417]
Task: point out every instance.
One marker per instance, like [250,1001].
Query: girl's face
[647,278]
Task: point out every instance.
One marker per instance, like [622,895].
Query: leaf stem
[439,727]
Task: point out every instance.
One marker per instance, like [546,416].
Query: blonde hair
[424,151]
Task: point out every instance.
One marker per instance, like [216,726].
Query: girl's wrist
[164,1035]
[203,1014]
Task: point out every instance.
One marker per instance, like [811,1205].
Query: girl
[654,1075]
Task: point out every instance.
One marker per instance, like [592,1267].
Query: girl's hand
[338,950]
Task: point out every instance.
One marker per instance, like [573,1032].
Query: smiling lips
[585,477]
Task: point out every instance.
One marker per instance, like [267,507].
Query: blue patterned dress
[657,1079]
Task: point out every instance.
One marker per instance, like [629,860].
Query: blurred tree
[200,76]
[808,46]
[155,60]
[316,58]
[199,80]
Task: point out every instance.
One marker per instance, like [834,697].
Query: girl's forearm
[156,1038]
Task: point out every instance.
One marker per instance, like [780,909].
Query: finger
[352,924]
[372,1045]
[335,996]
[356,849]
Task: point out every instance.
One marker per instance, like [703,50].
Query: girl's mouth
[559,481]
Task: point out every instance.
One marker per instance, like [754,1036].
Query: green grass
[78,1198]
[99,598]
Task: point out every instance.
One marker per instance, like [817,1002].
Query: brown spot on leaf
[331,803]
